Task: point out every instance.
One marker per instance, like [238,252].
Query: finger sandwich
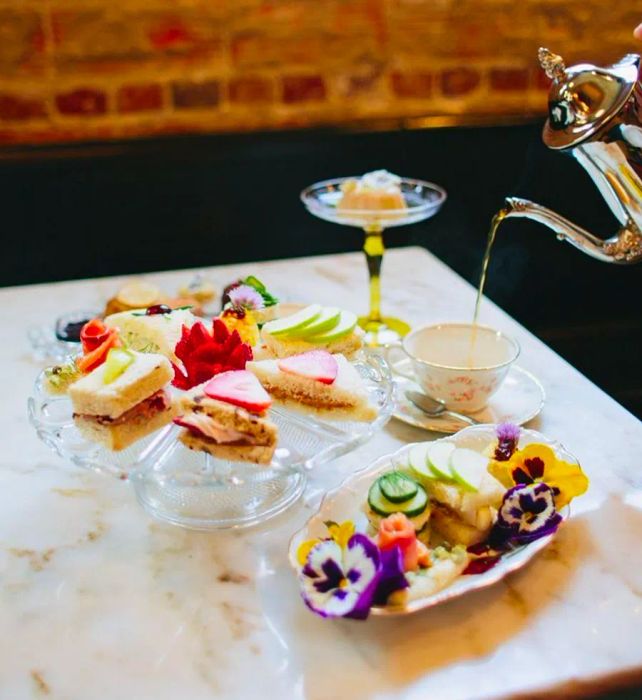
[118,412]
[316,382]
[313,327]
[226,417]
[155,329]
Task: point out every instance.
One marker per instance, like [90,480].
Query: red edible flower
[205,354]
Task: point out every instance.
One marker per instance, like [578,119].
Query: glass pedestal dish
[423,200]
[198,491]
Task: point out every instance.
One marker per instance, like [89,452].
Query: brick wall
[95,69]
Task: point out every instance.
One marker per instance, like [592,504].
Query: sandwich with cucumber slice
[397,492]
[464,496]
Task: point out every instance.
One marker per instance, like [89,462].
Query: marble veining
[98,601]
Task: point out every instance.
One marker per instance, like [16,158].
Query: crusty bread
[344,399]
[255,454]
[145,376]
[156,333]
[121,435]
[277,347]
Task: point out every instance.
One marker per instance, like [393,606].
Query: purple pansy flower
[246,297]
[392,575]
[345,582]
[507,439]
[526,514]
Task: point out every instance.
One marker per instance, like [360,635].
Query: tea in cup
[459,364]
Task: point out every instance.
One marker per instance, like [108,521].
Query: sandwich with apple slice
[317,382]
[226,417]
[123,399]
[464,495]
[314,327]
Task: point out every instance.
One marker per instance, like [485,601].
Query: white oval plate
[346,501]
[519,399]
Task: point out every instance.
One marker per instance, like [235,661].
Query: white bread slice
[121,435]
[348,346]
[158,333]
[465,504]
[453,529]
[145,376]
[345,399]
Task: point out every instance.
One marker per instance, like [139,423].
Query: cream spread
[208,427]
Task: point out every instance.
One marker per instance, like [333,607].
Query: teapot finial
[552,64]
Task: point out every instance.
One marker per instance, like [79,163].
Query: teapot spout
[624,248]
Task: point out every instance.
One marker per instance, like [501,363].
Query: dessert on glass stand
[374,202]
[215,423]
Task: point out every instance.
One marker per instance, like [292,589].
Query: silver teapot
[595,115]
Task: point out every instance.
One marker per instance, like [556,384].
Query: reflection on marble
[98,601]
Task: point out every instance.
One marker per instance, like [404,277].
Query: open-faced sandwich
[123,399]
[314,327]
[435,512]
[226,417]
[316,382]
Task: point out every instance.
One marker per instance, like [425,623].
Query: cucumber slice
[382,506]
[397,487]
[418,462]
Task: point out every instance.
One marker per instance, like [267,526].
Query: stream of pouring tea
[494,225]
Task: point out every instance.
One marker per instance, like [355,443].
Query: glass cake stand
[197,491]
[423,200]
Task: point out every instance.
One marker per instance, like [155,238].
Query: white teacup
[459,364]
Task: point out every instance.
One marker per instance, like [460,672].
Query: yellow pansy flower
[539,463]
[339,532]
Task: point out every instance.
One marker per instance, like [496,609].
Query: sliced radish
[319,365]
[241,388]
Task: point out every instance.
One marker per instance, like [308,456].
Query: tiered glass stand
[198,491]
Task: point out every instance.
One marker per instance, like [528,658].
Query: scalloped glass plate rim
[509,562]
[164,437]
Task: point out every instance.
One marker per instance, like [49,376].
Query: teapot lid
[584,97]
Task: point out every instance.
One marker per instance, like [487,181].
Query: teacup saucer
[519,399]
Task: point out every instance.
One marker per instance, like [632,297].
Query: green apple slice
[324,322]
[439,460]
[290,324]
[116,362]
[418,462]
[344,327]
[467,468]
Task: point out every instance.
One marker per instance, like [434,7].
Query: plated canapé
[434,521]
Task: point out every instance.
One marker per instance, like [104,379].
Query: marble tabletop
[100,602]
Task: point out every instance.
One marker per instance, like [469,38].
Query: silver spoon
[434,408]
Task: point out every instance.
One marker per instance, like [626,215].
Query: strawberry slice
[241,388]
[319,365]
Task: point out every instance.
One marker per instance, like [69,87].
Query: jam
[68,327]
